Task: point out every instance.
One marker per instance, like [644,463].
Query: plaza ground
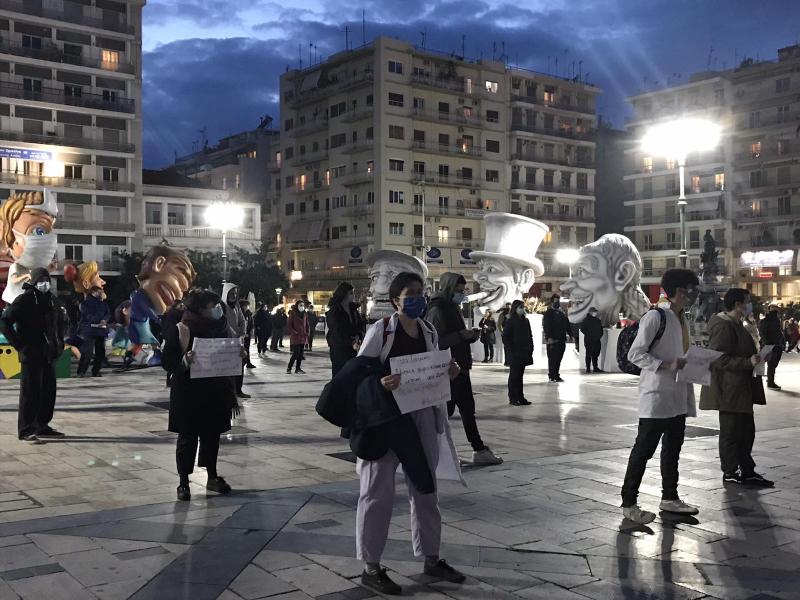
[94,515]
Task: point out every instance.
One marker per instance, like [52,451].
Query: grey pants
[375,503]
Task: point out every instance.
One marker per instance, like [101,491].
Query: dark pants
[310,344]
[507,355]
[555,352]
[592,353]
[262,342]
[277,339]
[37,397]
[186,450]
[239,379]
[297,357]
[90,346]
[246,343]
[737,432]
[488,351]
[462,397]
[772,364]
[670,433]
[515,374]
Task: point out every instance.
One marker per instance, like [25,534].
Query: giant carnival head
[384,266]
[165,276]
[606,276]
[27,220]
[507,266]
[84,277]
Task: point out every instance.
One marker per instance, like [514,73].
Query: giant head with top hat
[384,266]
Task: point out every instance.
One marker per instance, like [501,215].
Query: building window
[370,99]
[444,109]
[418,199]
[32,41]
[152,213]
[784,205]
[549,94]
[419,136]
[493,145]
[783,114]
[396,197]
[176,214]
[74,91]
[73,253]
[289,181]
[340,139]
[396,228]
[672,239]
[396,165]
[756,179]
[491,87]
[111,174]
[647,164]
[396,99]
[110,96]
[370,166]
[419,103]
[289,209]
[444,205]
[719,182]
[583,181]
[755,149]
[396,132]
[73,171]
[492,116]
[443,234]
[31,85]
[648,241]
[338,109]
[783,146]
[395,67]
[370,197]
[492,176]
[782,85]
[110,59]
[783,175]
[466,233]
[755,119]
[695,184]
[288,124]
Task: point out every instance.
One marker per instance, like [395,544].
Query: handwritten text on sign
[424,381]
[216,357]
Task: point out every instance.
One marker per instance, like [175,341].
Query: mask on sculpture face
[39,249]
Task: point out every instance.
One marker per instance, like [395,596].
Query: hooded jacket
[234,314]
[93,312]
[445,316]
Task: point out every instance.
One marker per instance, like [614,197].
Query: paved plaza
[94,515]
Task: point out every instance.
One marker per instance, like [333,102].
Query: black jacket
[592,329]
[279,321]
[556,325]
[771,330]
[262,322]
[344,329]
[518,340]
[35,324]
[488,329]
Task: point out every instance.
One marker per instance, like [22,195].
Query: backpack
[625,342]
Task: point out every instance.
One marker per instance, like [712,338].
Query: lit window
[670,164]
[301,182]
[444,234]
[109,59]
[755,149]
[491,87]
[695,184]
[647,164]
[719,182]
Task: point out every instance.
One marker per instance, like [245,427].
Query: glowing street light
[225,216]
[567,255]
[675,140]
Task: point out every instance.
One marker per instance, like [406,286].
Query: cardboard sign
[424,381]
[216,357]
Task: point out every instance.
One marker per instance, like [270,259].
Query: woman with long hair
[488,336]
[346,328]
[298,335]
[518,340]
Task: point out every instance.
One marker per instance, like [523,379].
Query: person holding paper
[735,389]
[401,334]
[664,402]
[199,409]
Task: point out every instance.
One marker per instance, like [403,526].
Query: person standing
[444,313]
[93,330]
[502,315]
[664,402]
[298,336]
[488,336]
[35,324]
[279,322]
[734,389]
[248,331]
[313,319]
[592,330]
[772,333]
[262,325]
[237,323]
[346,328]
[518,341]
[200,410]
[556,329]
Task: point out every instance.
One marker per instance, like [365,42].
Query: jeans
[515,374]
[297,357]
[186,450]
[262,342]
[555,352]
[310,344]
[488,352]
[92,346]
[462,397]
[592,354]
[651,431]
[737,432]
[37,397]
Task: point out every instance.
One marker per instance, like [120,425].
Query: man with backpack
[658,350]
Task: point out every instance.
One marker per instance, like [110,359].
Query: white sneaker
[637,515]
[486,457]
[678,506]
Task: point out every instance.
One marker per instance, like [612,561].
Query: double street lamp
[224,216]
[675,140]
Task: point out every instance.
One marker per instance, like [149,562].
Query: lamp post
[225,216]
[675,140]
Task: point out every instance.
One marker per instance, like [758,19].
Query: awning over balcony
[714,202]
[305,231]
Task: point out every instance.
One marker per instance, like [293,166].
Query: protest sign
[216,357]
[698,365]
[424,380]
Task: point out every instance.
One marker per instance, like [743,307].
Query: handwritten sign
[216,357]
[765,354]
[424,381]
[698,365]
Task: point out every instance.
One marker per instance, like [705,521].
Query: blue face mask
[216,312]
[748,309]
[414,307]
[458,297]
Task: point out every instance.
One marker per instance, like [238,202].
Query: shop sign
[465,259]
[25,154]
[356,255]
[434,256]
[767,258]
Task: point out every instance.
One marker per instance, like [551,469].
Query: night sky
[215,65]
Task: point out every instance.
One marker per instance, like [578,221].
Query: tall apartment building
[746,192]
[390,146]
[70,118]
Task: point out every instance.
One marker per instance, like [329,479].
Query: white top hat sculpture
[513,238]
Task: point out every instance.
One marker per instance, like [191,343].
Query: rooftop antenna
[347,37]
[300,55]
[710,54]
[580,70]
[463,45]
[494,50]
[364,26]
[548,64]
[310,46]
[204,136]
[423,33]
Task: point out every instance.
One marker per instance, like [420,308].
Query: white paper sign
[216,357]
[424,381]
[698,365]
[765,354]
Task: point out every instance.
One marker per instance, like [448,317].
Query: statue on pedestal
[708,258]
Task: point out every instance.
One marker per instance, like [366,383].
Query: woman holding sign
[199,409]
[423,432]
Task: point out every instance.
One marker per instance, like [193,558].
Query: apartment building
[746,192]
[390,146]
[70,118]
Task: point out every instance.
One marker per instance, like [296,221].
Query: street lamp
[567,255]
[225,216]
[675,140]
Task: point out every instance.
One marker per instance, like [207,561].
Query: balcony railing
[583,163]
[434,178]
[452,84]
[688,190]
[665,219]
[570,133]
[756,214]
[52,53]
[10,89]
[446,117]
[181,231]
[64,182]
[356,178]
[555,104]
[357,115]
[759,157]
[765,242]
[353,147]
[463,150]
[97,226]
[295,99]
[54,139]
[308,157]
[433,210]
[744,127]
[556,189]
[308,128]
[112,23]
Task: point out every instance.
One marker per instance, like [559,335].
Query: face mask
[216,312]
[414,307]
[556,304]
[458,297]
[301,308]
[349,300]
[520,311]
[748,309]
[593,313]
[43,286]
[39,250]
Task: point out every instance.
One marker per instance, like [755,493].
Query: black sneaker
[773,386]
[49,432]
[734,477]
[599,371]
[441,570]
[184,495]
[380,583]
[250,366]
[288,371]
[558,379]
[757,480]
[524,402]
[219,485]
[300,371]
[97,374]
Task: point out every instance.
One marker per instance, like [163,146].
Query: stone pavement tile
[116,546]
[95,567]
[315,580]
[6,593]
[58,586]
[549,591]
[21,556]
[503,579]
[356,593]
[347,567]
[254,582]
[256,515]
[272,560]
[472,589]
[13,540]
[534,561]
[564,580]
[229,595]
[31,572]
[62,544]
[142,531]
[178,590]
[118,590]
[633,588]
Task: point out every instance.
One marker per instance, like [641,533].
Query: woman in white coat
[401,334]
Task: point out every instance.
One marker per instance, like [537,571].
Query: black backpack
[626,341]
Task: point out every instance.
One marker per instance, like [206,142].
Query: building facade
[746,193]
[390,146]
[70,118]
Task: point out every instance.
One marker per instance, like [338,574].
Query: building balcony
[456,85]
[749,158]
[572,133]
[434,148]
[765,189]
[108,20]
[59,140]
[662,246]
[433,178]
[448,242]
[757,216]
[10,89]
[765,242]
[696,216]
[358,115]
[744,128]
[446,117]
[182,231]
[274,165]
[582,163]
[359,210]
[308,128]
[356,178]
[560,104]
[433,210]
[95,226]
[561,217]
[705,190]
[308,157]
[354,147]
[311,187]
[53,53]
[64,182]
[299,98]
[553,189]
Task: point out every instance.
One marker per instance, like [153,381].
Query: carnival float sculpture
[384,266]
